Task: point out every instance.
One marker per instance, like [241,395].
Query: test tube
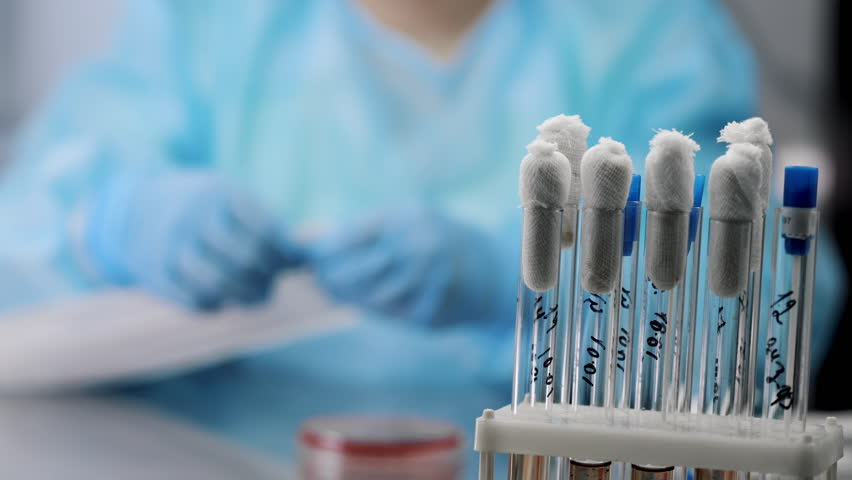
[789,331]
[545,182]
[655,343]
[564,338]
[751,331]
[593,342]
[724,320]
[537,317]
[685,397]
[670,177]
[607,174]
[629,296]
[567,292]
[594,383]
[569,134]
[753,131]
[536,321]
[687,402]
[734,183]
[748,344]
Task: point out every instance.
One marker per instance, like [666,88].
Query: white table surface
[98,438]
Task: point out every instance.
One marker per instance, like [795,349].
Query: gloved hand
[187,236]
[412,263]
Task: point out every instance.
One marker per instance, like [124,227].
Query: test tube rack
[647,438]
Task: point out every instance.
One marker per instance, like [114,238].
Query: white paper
[125,334]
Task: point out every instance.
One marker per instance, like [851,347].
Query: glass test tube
[751,329]
[629,297]
[656,345]
[567,292]
[724,323]
[720,387]
[594,347]
[594,355]
[687,353]
[789,330]
[623,370]
[686,399]
[536,322]
[564,338]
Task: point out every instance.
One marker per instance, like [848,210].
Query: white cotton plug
[544,185]
[570,134]
[754,131]
[669,180]
[734,181]
[606,174]
[734,199]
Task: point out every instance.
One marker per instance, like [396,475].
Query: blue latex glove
[412,263]
[187,236]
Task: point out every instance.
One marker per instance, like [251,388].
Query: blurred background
[40,40]
[796,45]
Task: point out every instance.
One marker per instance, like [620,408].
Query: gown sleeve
[131,112]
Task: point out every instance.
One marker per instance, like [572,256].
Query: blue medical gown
[325,115]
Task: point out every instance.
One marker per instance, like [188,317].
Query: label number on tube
[658,325]
[590,368]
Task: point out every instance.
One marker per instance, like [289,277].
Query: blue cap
[698,190]
[635,189]
[698,194]
[800,187]
[631,215]
[800,191]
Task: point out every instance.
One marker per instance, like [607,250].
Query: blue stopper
[800,191]
[797,246]
[800,187]
[698,190]
[698,194]
[631,215]
[635,189]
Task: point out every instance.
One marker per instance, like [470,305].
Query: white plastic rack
[646,438]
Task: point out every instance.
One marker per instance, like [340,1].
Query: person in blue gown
[188,160]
